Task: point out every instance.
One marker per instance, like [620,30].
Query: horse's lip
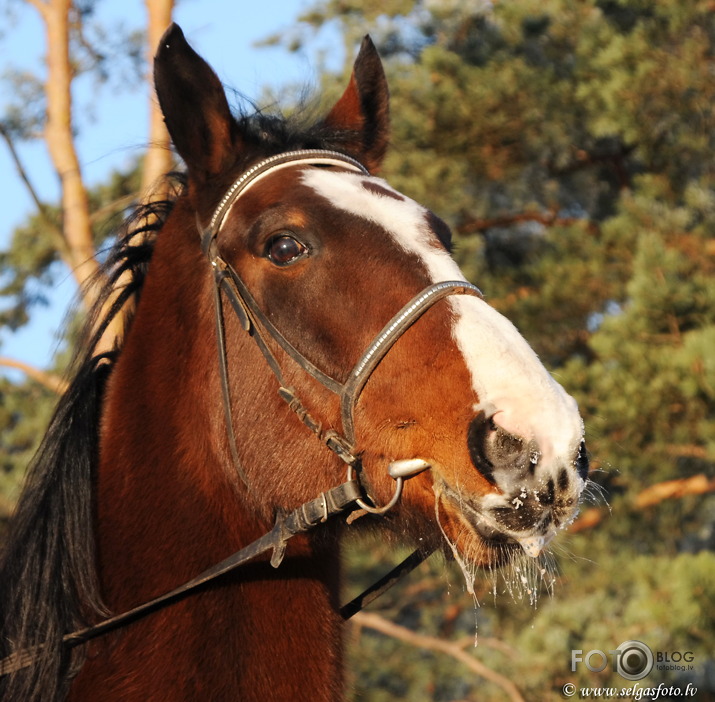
[534,545]
[488,532]
[496,538]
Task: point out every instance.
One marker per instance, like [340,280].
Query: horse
[284,293]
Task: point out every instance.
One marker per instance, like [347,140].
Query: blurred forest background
[571,146]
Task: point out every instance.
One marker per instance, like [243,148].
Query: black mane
[48,579]
[267,134]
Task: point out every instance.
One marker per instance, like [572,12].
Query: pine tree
[570,146]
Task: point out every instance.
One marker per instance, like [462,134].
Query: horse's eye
[284,250]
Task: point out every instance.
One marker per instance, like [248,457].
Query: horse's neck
[261,635]
[167,508]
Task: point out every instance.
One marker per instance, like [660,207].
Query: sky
[112,123]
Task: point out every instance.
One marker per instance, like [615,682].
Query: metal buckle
[399,471]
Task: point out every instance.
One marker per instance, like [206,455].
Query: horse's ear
[195,108]
[363,111]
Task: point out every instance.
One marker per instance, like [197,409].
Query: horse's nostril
[582,461]
[505,446]
[492,448]
[478,436]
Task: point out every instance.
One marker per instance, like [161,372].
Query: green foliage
[630,600]
[28,267]
[603,595]
[24,413]
[24,118]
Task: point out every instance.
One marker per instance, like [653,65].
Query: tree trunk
[59,137]
[76,228]
[158,159]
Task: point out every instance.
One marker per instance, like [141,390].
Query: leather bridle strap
[315,157]
[252,318]
[249,314]
[386,339]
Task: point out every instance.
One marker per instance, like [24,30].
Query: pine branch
[653,495]
[673,490]
[55,232]
[548,219]
[49,380]
[431,643]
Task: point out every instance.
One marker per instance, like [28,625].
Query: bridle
[344,498]
[255,322]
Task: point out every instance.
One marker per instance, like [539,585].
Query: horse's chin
[475,542]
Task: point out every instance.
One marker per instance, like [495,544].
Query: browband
[314,157]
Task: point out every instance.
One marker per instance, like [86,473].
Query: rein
[344,498]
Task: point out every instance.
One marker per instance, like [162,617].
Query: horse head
[330,253]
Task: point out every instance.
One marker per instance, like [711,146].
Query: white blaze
[510,381]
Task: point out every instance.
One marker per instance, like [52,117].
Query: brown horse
[344,297]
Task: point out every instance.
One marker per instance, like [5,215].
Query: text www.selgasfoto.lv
[634,692]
